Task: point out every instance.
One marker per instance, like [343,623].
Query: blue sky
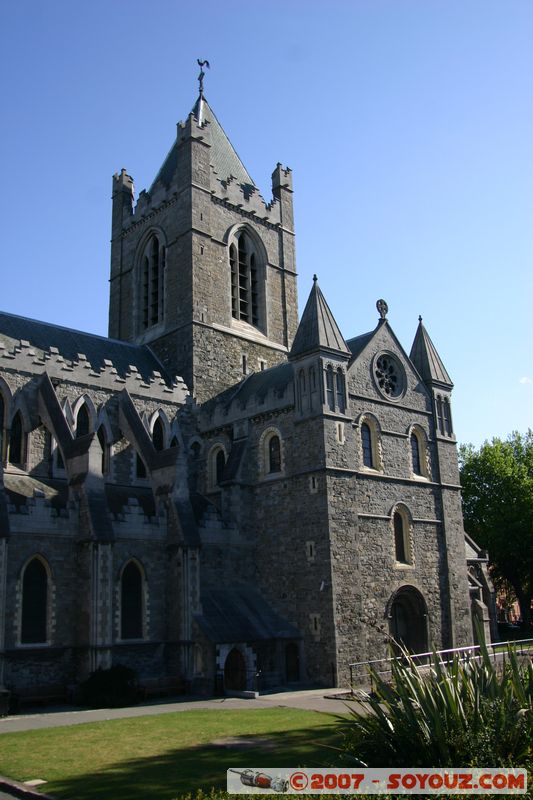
[408,125]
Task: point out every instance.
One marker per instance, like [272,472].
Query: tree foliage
[497,487]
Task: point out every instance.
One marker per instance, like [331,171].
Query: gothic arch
[132,601]
[84,400]
[35,596]
[248,274]
[150,278]
[163,436]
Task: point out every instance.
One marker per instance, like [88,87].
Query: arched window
[330,394]
[245,279]
[158,435]
[174,442]
[105,449]
[131,602]
[83,421]
[17,441]
[440,418]
[34,620]
[341,398]
[366,442]
[402,537]
[219,465]
[152,283]
[274,454]
[447,415]
[216,462]
[415,455]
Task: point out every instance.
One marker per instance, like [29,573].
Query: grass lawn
[168,755]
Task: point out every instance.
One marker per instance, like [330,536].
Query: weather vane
[201,76]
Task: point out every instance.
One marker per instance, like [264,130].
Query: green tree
[497,487]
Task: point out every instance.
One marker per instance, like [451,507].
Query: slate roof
[241,614]
[70,342]
[358,343]
[259,384]
[426,359]
[317,329]
[223,156]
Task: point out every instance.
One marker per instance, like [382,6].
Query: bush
[456,714]
[110,688]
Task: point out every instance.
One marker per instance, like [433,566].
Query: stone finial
[315,278]
[383,308]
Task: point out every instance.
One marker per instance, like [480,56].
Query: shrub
[110,688]
[462,713]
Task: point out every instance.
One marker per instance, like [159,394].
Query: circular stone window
[389,376]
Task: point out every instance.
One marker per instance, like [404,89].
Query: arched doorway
[235,671]
[292,663]
[408,619]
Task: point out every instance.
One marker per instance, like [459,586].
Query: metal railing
[359,670]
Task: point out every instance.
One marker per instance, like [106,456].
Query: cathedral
[222,494]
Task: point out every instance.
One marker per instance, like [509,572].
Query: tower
[202,269]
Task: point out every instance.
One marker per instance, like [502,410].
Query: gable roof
[426,359]
[317,329]
[71,343]
[223,156]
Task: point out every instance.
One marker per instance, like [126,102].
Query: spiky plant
[459,713]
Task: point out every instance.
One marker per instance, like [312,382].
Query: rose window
[388,376]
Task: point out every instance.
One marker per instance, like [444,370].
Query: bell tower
[202,268]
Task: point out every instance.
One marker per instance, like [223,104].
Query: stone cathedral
[220,493]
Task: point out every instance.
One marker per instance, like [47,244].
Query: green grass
[168,755]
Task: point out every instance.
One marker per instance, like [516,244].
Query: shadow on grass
[185,770]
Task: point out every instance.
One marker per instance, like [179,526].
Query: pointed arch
[151,276]
[5,413]
[35,580]
[17,441]
[84,416]
[132,601]
[247,262]
[272,456]
[159,429]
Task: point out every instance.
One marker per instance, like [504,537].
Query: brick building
[219,488]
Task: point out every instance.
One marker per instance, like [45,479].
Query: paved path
[311,700]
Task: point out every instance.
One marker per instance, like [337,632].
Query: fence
[359,670]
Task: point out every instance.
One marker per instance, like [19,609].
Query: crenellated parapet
[23,358]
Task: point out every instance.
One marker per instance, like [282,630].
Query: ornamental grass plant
[464,712]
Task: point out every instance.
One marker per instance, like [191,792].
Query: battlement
[23,358]
[38,513]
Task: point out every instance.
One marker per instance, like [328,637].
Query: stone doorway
[408,620]
[235,671]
